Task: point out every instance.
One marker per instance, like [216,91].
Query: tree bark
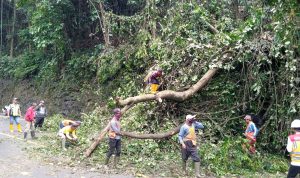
[152,18]
[235,6]
[13,30]
[90,150]
[151,136]
[104,26]
[211,28]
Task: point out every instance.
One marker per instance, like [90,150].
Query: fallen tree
[166,94]
[169,94]
[94,145]
[152,136]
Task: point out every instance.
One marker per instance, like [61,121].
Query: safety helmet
[248,117]
[74,125]
[117,111]
[78,122]
[295,123]
[190,117]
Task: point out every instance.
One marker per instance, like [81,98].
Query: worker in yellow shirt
[68,132]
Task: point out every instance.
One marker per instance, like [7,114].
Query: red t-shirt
[30,113]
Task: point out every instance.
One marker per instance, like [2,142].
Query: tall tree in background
[104,25]
[13,29]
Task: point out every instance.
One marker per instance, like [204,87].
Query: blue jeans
[14,118]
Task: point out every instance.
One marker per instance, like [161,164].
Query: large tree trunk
[152,136]
[169,94]
[94,145]
[13,30]
[152,19]
[235,6]
[104,26]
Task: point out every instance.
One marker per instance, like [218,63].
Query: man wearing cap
[293,147]
[152,80]
[114,137]
[251,133]
[68,122]
[187,139]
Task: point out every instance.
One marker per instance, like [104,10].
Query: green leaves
[228,157]
[47,24]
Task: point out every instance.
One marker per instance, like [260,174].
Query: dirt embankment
[57,98]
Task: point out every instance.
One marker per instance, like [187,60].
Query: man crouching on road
[187,139]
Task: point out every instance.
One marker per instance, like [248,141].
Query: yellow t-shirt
[67,130]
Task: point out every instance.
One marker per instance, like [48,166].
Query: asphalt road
[15,162]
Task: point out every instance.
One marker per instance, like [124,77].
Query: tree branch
[90,150]
[169,94]
[151,136]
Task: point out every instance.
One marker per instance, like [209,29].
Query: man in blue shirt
[187,139]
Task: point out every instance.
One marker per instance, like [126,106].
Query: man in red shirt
[29,118]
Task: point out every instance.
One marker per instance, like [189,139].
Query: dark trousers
[114,145]
[61,125]
[39,122]
[190,150]
[293,171]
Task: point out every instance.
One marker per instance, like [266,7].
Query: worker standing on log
[114,137]
[293,147]
[153,80]
[251,133]
[187,139]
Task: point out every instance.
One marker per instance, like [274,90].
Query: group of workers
[187,134]
[34,117]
